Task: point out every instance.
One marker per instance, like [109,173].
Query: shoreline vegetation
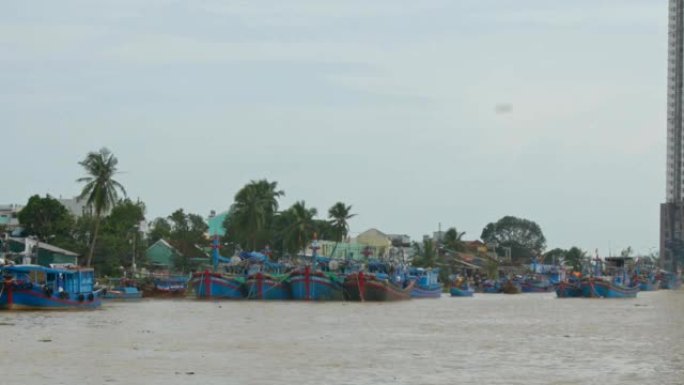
[111,236]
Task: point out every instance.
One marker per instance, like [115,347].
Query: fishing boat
[536,284]
[605,287]
[316,279]
[613,283]
[48,288]
[511,286]
[224,281]
[121,289]
[648,283]
[261,285]
[165,286]
[491,286]
[207,284]
[315,285]
[426,283]
[265,279]
[569,288]
[361,286]
[460,288]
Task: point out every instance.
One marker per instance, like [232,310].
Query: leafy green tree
[574,258]
[554,256]
[101,191]
[251,215]
[339,215]
[188,235]
[425,254]
[324,229]
[160,229]
[120,236]
[47,219]
[524,237]
[299,226]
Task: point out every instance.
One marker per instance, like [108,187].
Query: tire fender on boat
[80,298]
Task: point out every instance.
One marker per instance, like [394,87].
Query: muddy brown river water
[488,339]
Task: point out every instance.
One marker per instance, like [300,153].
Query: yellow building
[377,241]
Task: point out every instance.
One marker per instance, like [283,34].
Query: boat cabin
[70,280]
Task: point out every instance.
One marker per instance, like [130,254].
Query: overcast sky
[414,112]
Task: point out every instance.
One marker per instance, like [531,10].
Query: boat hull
[215,285]
[461,292]
[568,290]
[25,297]
[359,287]
[121,295]
[527,287]
[649,286]
[419,291]
[511,287]
[265,286]
[598,288]
[671,282]
[315,286]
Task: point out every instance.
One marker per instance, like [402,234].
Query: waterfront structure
[672,211]
[8,216]
[31,251]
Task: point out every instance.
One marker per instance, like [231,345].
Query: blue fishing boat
[605,287]
[165,286]
[208,284]
[316,285]
[536,284]
[569,288]
[265,279]
[215,284]
[260,285]
[316,280]
[648,283]
[460,288]
[49,288]
[491,286]
[613,283]
[426,283]
[121,289]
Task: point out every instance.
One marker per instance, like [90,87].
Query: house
[8,216]
[161,255]
[76,207]
[400,240]
[23,250]
[342,250]
[377,242]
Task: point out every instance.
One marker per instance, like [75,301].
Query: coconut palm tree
[425,254]
[575,257]
[300,226]
[101,191]
[339,214]
[253,210]
[453,239]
